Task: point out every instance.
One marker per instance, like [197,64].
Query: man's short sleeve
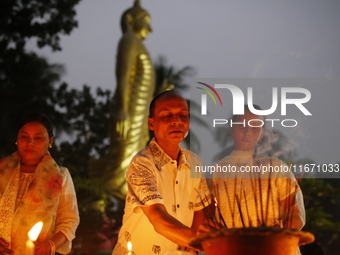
[142,186]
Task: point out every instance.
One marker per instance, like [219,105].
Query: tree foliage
[44,20]
[27,81]
[27,86]
[88,115]
[322,203]
[168,77]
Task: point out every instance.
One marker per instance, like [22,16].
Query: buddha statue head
[137,20]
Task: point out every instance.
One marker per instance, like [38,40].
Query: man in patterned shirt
[164,205]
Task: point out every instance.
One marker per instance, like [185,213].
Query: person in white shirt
[261,191]
[164,204]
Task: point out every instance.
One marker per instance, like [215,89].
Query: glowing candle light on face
[32,236]
[129,247]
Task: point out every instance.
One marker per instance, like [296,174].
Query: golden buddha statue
[129,110]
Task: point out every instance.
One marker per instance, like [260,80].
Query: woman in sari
[34,188]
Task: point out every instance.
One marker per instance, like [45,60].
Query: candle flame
[129,246]
[35,231]
[216,204]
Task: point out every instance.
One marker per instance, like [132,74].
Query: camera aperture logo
[204,97]
[238,100]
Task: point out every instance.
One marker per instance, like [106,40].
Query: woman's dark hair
[37,117]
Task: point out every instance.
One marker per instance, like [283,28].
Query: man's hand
[167,225]
[209,226]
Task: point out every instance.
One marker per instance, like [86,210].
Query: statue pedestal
[252,241]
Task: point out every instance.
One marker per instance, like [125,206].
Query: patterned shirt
[154,178]
[251,198]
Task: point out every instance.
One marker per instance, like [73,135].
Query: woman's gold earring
[50,146]
[16,143]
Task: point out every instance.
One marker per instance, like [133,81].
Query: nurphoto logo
[301,97]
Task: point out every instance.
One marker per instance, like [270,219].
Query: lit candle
[216,204]
[129,247]
[32,236]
